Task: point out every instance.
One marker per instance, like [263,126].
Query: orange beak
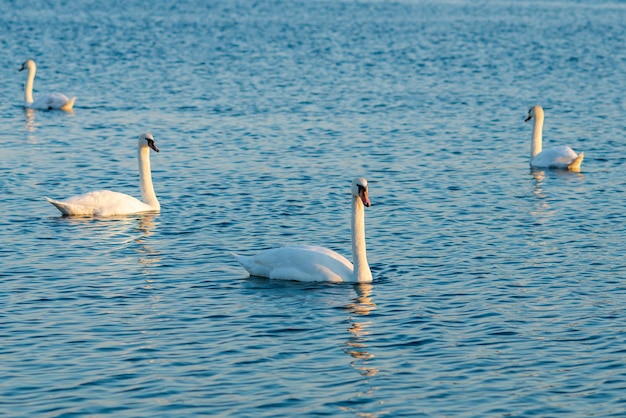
[364,198]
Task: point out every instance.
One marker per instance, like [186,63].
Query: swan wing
[575,164]
[555,157]
[304,263]
[69,105]
[69,209]
[53,101]
[101,203]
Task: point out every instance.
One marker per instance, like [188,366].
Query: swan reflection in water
[361,306]
[30,125]
[118,233]
[147,254]
[543,212]
[356,346]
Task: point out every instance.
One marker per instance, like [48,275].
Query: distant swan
[108,203]
[47,101]
[555,157]
[317,264]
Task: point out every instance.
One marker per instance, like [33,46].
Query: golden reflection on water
[147,254]
[543,211]
[361,306]
[30,125]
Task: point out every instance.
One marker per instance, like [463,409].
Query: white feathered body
[306,263]
[555,157]
[101,203]
[52,101]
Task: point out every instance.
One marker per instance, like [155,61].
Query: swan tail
[69,105]
[240,259]
[67,209]
[575,164]
[251,267]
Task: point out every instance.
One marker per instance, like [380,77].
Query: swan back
[100,203]
[53,101]
[305,263]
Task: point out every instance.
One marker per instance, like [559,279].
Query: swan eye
[151,144]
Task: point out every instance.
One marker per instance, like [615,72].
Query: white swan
[47,101]
[108,203]
[309,263]
[555,157]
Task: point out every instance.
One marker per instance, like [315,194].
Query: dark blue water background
[498,291]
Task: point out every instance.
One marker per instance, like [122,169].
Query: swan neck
[536,145]
[30,81]
[145,179]
[362,271]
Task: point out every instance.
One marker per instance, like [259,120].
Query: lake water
[498,291]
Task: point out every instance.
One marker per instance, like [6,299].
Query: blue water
[498,291]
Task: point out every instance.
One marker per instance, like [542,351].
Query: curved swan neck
[535,147]
[145,179]
[362,271]
[30,81]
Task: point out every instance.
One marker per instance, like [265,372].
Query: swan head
[27,65]
[147,140]
[359,190]
[534,112]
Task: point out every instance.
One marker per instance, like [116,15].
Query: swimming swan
[45,102]
[555,157]
[108,203]
[309,263]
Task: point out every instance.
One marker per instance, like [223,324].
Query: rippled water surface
[498,291]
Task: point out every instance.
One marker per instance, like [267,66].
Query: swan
[555,157]
[309,263]
[45,102]
[108,203]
